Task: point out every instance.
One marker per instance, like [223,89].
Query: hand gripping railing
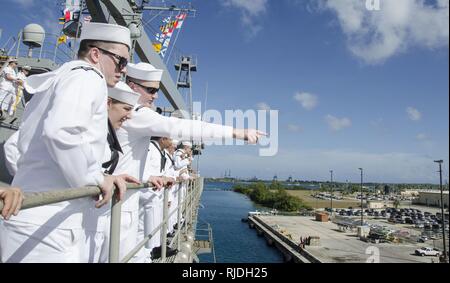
[184,206]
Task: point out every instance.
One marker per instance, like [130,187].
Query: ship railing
[187,204]
[50,49]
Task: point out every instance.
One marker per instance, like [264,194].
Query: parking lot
[344,246]
[417,221]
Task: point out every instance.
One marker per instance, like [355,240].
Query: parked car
[419,225]
[436,227]
[426,251]
[422,239]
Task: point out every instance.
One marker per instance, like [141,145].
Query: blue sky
[354,88]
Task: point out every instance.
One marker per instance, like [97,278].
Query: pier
[330,245]
[288,247]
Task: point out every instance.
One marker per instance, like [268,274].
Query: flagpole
[78,28]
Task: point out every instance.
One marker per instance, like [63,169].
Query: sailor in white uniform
[182,160]
[61,144]
[173,196]
[19,85]
[8,80]
[135,135]
[151,201]
[121,102]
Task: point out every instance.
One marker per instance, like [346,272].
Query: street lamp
[331,187]
[362,213]
[442,209]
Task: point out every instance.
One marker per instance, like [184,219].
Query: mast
[128,13]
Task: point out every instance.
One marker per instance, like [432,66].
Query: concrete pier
[333,245]
[290,250]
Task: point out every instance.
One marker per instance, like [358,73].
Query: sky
[354,87]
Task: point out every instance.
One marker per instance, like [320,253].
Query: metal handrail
[37,199]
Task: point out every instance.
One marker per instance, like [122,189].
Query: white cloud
[263,106]
[421,137]
[413,114]
[251,7]
[337,124]
[294,128]
[375,36]
[250,11]
[307,100]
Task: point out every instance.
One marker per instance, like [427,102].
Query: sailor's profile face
[111,64]
[147,98]
[118,113]
[166,142]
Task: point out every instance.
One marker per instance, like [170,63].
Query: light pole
[331,188]
[442,209]
[362,213]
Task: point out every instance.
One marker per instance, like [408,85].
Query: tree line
[273,195]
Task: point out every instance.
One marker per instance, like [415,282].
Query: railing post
[188,206]
[114,243]
[179,208]
[193,201]
[164,227]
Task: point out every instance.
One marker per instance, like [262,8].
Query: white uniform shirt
[135,134]
[21,76]
[170,167]
[62,140]
[5,84]
[153,161]
[134,137]
[7,88]
[180,162]
[11,153]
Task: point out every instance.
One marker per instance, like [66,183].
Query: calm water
[234,241]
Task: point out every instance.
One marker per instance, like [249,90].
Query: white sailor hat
[175,142]
[106,32]
[123,93]
[186,143]
[144,72]
[26,68]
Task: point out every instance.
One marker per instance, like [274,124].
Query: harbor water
[234,241]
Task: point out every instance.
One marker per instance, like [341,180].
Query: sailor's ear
[94,54]
[109,102]
[132,85]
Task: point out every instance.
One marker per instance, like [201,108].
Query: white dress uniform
[134,137]
[61,145]
[18,93]
[173,195]
[181,164]
[7,88]
[11,153]
[150,202]
[98,230]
